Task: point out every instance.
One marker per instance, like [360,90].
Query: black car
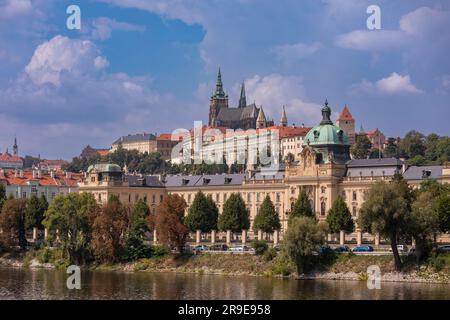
[342,249]
[444,249]
[219,247]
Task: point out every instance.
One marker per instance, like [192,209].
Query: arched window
[323,208]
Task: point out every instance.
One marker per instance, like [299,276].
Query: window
[323,189]
[323,208]
[249,197]
[145,199]
[257,197]
[355,197]
[161,198]
[278,197]
[154,198]
[224,197]
[354,211]
[217,197]
[24,194]
[33,189]
[189,198]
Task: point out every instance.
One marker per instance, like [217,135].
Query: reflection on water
[51,284]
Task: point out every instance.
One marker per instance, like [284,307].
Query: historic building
[25,183]
[323,170]
[11,161]
[147,143]
[243,117]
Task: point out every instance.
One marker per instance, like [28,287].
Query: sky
[150,66]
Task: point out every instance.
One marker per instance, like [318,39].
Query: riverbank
[340,267]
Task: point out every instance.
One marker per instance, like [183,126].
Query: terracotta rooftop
[345,114]
[10,158]
[60,179]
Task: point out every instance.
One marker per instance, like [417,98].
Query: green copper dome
[326,133]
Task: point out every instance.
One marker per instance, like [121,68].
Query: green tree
[135,248]
[235,215]
[267,219]
[303,239]
[34,213]
[72,215]
[361,149]
[413,144]
[391,150]
[202,214]
[302,207]
[12,222]
[423,223]
[386,211]
[339,217]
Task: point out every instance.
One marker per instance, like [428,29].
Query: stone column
[377,240]
[45,234]
[155,237]
[228,237]
[213,237]
[358,237]
[244,237]
[341,238]
[198,234]
[260,235]
[35,235]
[276,237]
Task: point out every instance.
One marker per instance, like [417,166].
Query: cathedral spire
[15,147]
[283,120]
[219,84]
[243,98]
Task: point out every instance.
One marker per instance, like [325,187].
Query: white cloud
[11,8]
[290,53]
[423,24]
[61,54]
[275,90]
[393,84]
[102,28]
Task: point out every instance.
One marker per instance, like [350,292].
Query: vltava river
[51,284]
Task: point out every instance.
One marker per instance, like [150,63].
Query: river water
[51,284]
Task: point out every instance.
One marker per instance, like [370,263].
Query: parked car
[400,248]
[444,248]
[363,249]
[239,248]
[219,247]
[200,248]
[342,249]
[325,250]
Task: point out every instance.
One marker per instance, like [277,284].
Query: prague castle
[243,117]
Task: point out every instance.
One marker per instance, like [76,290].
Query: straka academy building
[324,171]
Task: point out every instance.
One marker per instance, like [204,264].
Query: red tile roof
[345,114]
[60,179]
[10,158]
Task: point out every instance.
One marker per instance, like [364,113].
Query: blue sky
[150,66]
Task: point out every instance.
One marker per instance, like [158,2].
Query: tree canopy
[235,216]
[202,214]
[267,219]
[12,222]
[302,207]
[339,217]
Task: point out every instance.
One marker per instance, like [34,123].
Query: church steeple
[219,93]
[261,120]
[219,100]
[283,120]
[243,98]
[15,147]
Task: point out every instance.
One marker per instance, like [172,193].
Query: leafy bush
[283,265]
[159,251]
[44,255]
[260,247]
[437,262]
[270,254]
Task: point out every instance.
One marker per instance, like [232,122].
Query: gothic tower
[283,120]
[261,120]
[219,99]
[347,123]
[15,147]
[242,99]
